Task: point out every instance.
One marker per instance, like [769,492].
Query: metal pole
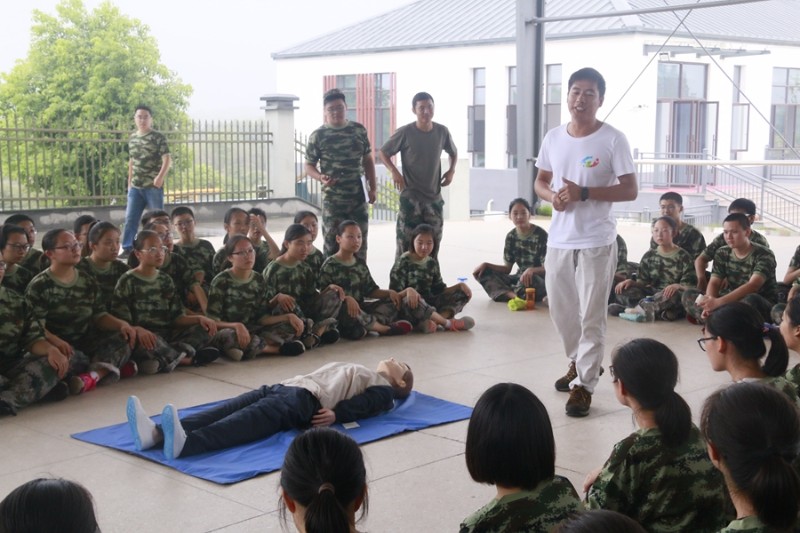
[662,9]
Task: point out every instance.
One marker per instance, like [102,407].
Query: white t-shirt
[596,160]
[335,382]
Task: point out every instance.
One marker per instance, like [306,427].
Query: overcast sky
[222,48]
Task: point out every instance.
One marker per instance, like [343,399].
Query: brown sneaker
[579,401]
[562,384]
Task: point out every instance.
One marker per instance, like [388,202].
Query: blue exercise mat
[232,465]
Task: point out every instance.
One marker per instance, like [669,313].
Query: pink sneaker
[82,383]
[128,370]
[462,324]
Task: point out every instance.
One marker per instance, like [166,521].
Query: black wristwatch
[584,194]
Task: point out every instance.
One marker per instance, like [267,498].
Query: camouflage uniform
[537,510]
[690,239]
[17,278]
[414,212]
[106,278]
[182,276]
[69,312]
[146,155]
[737,272]
[623,266]
[340,152]
[784,288]
[719,241]
[34,261]
[299,282]
[154,304]
[664,489]
[221,263]
[748,524]
[526,251]
[426,278]
[315,260]
[233,300]
[199,256]
[656,271]
[24,377]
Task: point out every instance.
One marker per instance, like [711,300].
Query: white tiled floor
[418,481]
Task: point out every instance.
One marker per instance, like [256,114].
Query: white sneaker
[145,433]
[174,435]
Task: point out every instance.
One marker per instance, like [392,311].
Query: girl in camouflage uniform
[660,475]
[417,279]
[790,330]
[237,302]
[292,288]
[510,445]
[664,273]
[236,222]
[13,247]
[308,219]
[147,298]
[103,242]
[526,245]
[752,433]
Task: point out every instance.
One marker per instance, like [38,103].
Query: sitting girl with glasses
[147,298]
[660,475]
[13,248]
[237,301]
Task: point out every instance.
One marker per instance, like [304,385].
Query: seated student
[68,306]
[789,288]
[742,271]
[688,237]
[345,270]
[510,445]
[336,392]
[526,246]
[81,228]
[154,216]
[237,302]
[599,521]
[752,433]
[324,482]
[663,273]
[292,288]
[30,367]
[265,246]
[740,205]
[198,253]
[790,328]
[13,247]
[32,261]
[236,222]
[733,339]
[48,506]
[660,475]
[146,298]
[308,219]
[417,279]
[103,243]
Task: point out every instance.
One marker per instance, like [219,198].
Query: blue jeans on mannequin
[138,200]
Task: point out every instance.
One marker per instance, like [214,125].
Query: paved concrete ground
[417,481]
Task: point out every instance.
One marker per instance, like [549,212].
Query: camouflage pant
[336,211]
[106,350]
[454,301]
[412,213]
[182,343]
[761,304]
[673,306]
[631,296]
[496,284]
[260,336]
[323,306]
[32,377]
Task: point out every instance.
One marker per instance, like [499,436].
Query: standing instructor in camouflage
[147,167]
[342,150]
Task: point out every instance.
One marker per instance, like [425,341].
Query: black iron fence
[45,167]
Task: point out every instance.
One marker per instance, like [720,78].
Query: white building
[672,93]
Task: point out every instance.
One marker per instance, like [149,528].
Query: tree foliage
[87,70]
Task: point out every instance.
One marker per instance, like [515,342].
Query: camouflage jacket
[17,278]
[106,279]
[17,332]
[657,270]
[622,257]
[355,278]
[339,152]
[737,271]
[33,261]
[182,276]
[664,489]
[690,239]
[748,524]
[424,276]
[65,310]
[146,153]
[198,256]
[221,263]
[233,300]
[719,242]
[540,509]
[298,281]
[315,259]
[525,250]
[151,303]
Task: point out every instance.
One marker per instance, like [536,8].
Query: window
[740,115]
[552,97]
[347,84]
[681,81]
[785,113]
[511,119]
[476,119]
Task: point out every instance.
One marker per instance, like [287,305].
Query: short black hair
[9,229]
[50,238]
[100,229]
[143,108]
[332,95]
[48,506]
[675,197]
[419,97]
[16,218]
[588,74]
[742,219]
[181,210]
[743,204]
[82,221]
[600,521]
[149,215]
[257,211]
[510,439]
[300,215]
[340,229]
[522,201]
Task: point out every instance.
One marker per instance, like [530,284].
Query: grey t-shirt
[421,153]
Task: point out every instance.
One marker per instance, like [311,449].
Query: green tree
[86,70]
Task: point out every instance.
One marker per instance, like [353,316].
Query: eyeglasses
[164,236]
[702,342]
[155,250]
[249,251]
[184,223]
[20,247]
[74,247]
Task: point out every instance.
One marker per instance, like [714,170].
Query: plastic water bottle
[649,307]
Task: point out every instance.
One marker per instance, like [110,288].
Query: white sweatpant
[578,283]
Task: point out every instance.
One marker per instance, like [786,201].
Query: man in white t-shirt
[584,166]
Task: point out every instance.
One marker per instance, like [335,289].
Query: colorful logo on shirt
[589,162]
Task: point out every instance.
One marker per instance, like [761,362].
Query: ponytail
[674,420]
[778,357]
[325,514]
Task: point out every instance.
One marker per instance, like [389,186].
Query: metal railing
[45,167]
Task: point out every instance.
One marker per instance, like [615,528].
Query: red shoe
[82,383]
[401,327]
[462,324]
[128,370]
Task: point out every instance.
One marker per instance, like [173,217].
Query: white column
[279,110]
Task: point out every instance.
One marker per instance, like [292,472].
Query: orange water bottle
[530,298]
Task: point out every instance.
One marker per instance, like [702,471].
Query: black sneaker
[206,355]
[57,393]
[7,409]
[292,348]
[579,402]
[615,309]
[330,336]
[355,333]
